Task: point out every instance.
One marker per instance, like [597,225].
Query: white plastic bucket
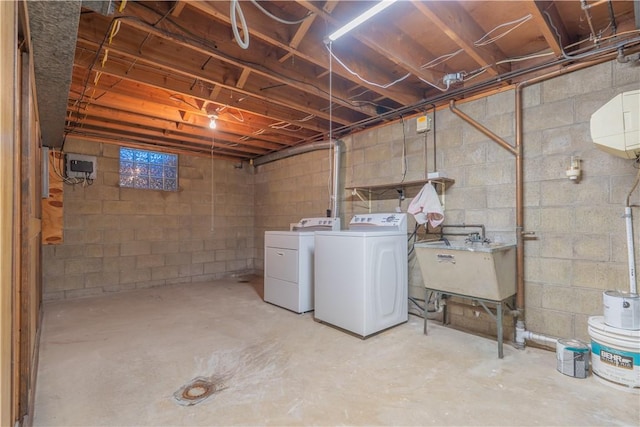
[615,354]
[572,358]
[621,309]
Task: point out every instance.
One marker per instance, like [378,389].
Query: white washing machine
[361,274]
[288,264]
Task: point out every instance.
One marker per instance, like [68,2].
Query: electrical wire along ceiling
[242,79]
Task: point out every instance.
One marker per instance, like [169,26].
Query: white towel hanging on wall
[426,206]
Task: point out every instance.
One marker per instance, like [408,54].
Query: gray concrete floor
[117,360]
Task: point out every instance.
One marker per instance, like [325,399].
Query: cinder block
[53,267]
[99,221]
[593,247]
[533,295]
[135,275]
[555,271]
[150,284]
[97,251]
[549,115]
[165,247]
[135,248]
[591,79]
[601,218]
[118,207]
[556,220]
[558,297]
[191,246]
[155,260]
[118,236]
[151,235]
[118,288]
[62,283]
[181,258]
[557,245]
[214,267]
[53,296]
[68,251]
[165,272]
[549,322]
[190,270]
[101,279]
[111,151]
[501,103]
[588,301]
[599,275]
[80,207]
[83,293]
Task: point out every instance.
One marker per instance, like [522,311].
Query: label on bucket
[621,310]
[619,366]
[572,358]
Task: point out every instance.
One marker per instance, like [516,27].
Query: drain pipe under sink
[522,335]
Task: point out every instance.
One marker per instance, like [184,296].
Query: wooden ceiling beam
[271,70]
[146,144]
[164,118]
[178,6]
[175,100]
[454,21]
[249,104]
[537,8]
[244,76]
[175,139]
[270,32]
[80,120]
[160,74]
[304,28]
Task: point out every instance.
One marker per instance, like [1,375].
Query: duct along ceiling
[155,74]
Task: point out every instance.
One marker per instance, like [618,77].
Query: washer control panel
[317,224]
[379,222]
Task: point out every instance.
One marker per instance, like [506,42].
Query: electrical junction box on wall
[80,166]
[423,124]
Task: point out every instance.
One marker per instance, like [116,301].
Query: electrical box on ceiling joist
[423,124]
[80,166]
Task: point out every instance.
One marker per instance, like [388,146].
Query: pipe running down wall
[517,152]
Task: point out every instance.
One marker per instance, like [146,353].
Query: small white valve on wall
[574,171]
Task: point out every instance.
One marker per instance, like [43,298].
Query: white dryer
[288,264]
[361,274]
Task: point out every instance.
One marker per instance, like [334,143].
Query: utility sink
[480,270]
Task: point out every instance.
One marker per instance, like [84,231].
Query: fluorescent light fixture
[360,19]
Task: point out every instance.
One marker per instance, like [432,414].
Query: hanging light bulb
[212,121]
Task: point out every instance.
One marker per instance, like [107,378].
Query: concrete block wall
[119,239]
[580,246]
[288,190]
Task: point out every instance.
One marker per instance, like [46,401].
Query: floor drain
[196,391]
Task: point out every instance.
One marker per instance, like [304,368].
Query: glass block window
[148,170]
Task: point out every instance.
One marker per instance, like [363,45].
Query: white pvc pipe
[337,152]
[633,287]
[522,335]
[539,337]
